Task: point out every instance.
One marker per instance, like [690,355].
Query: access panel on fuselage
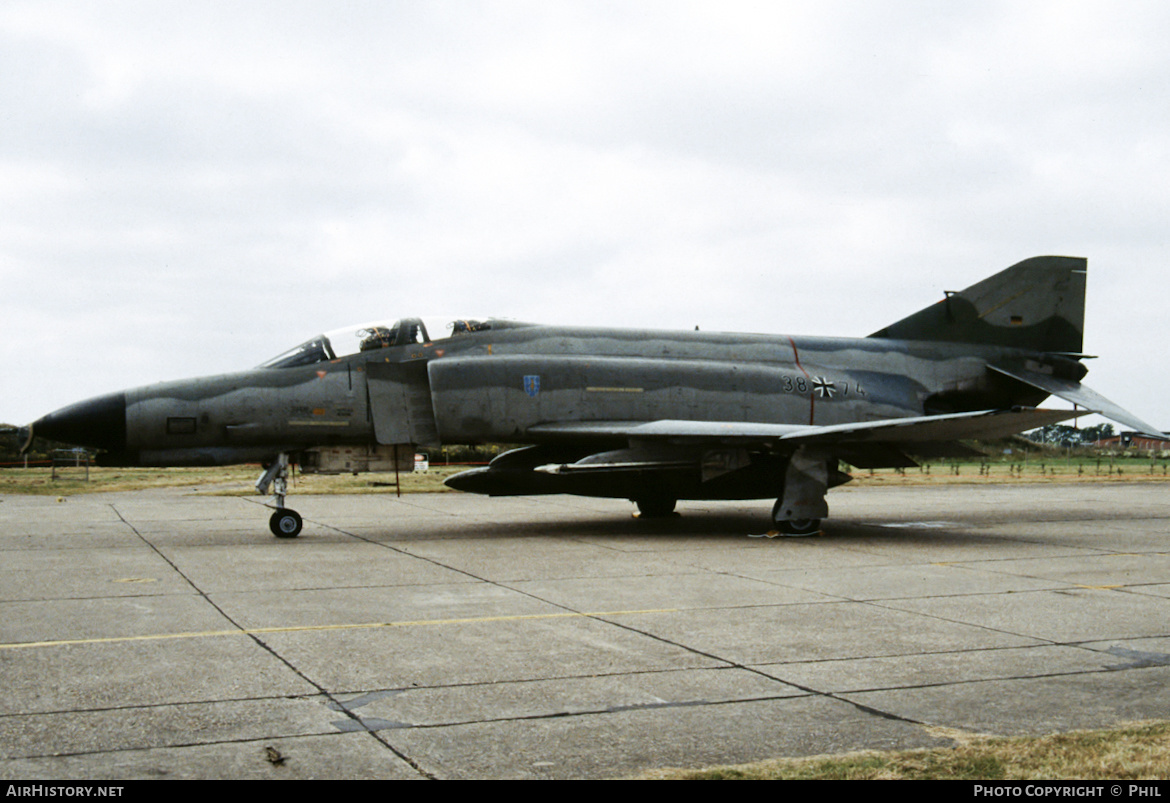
[400,403]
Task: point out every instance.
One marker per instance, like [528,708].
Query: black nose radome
[99,423]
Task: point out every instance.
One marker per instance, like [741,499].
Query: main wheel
[793,526]
[655,507]
[799,526]
[286,523]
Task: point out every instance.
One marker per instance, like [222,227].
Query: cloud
[231,178]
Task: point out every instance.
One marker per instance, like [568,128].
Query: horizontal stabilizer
[1078,394]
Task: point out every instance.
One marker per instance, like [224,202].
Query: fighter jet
[649,416]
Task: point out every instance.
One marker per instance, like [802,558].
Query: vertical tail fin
[1037,304]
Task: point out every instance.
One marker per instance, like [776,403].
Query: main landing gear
[285,522]
[806,481]
[655,507]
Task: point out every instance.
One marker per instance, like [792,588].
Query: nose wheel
[286,523]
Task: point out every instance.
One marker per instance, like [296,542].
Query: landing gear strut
[285,522]
[806,481]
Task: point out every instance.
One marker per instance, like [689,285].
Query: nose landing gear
[285,522]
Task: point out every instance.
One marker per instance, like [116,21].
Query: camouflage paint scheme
[651,416]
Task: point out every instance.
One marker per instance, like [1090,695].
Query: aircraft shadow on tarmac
[695,524]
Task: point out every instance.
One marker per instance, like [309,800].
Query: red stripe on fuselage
[812,397]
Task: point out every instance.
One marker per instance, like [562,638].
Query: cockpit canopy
[379,335]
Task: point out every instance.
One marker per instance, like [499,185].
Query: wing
[579,456]
[920,429]
[868,444]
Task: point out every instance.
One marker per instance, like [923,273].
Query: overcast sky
[192,187]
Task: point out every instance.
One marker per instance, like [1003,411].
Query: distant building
[1135,440]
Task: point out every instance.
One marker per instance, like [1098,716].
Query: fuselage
[498,384]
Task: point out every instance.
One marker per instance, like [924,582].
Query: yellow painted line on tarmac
[24,645]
